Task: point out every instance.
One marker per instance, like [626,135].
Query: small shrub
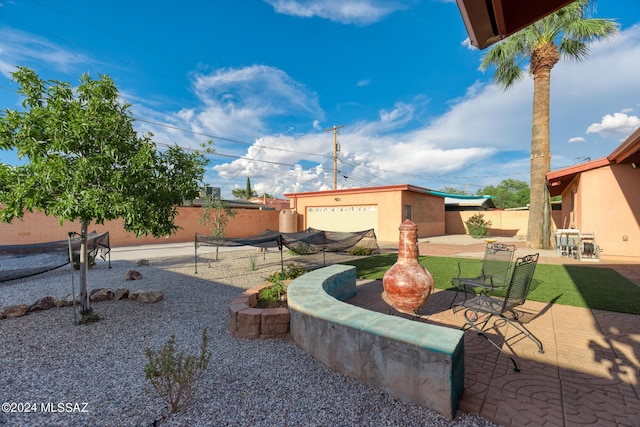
[273,296]
[290,272]
[300,249]
[143,262]
[173,375]
[361,250]
[87,319]
[76,261]
[276,294]
[478,226]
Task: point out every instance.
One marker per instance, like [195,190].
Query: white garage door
[343,218]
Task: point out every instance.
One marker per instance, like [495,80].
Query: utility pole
[335,153]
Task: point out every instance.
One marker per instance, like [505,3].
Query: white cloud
[617,125]
[238,103]
[359,12]
[467,43]
[482,138]
[364,82]
[20,48]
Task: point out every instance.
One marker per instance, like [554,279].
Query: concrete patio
[588,374]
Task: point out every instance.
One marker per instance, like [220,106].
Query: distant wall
[503,223]
[36,227]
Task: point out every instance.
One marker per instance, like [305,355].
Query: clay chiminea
[407,284]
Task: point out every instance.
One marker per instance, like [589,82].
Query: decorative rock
[132,275]
[67,301]
[14,311]
[150,297]
[134,295]
[2,316]
[43,304]
[120,294]
[101,294]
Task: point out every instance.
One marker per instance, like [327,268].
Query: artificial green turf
[575,285]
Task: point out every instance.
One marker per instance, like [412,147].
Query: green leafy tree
[509,193]
[452,190]
[86,163]
[565,33]
[244,193]
[216,211]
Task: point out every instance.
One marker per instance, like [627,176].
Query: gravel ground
[97,370]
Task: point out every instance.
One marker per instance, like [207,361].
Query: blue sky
[265,79]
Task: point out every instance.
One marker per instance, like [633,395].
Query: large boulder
[101,294]
[43,304]
[14,311]
[67,301]
[132,275]
[150,297]
[120,294]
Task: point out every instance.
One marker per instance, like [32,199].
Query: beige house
[381,208]
[603,197]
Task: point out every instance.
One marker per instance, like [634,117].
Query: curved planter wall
[413,361]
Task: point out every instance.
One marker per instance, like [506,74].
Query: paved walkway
[588,374]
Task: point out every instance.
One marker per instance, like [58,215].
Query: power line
[235,141]
[335,170]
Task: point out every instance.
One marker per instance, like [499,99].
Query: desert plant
[216,211]
[290,272]
[252,263]
[361,250]
[91,261]
[173,375]
[273,296]
[276,294]
[478,226]
[300,249]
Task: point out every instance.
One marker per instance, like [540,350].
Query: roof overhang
[489,21]
[628,152]
[361,190]
[560,179]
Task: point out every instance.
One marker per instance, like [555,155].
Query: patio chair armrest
[460,265]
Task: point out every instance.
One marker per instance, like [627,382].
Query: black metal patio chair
[494,272]
[480,309]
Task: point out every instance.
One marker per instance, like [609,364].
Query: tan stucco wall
[503,223]
[607,203]
[428,209]
[427,212]
[36,227]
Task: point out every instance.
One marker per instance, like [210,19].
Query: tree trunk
[85,304]
[540,220]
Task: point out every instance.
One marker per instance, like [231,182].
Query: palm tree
[563,34]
